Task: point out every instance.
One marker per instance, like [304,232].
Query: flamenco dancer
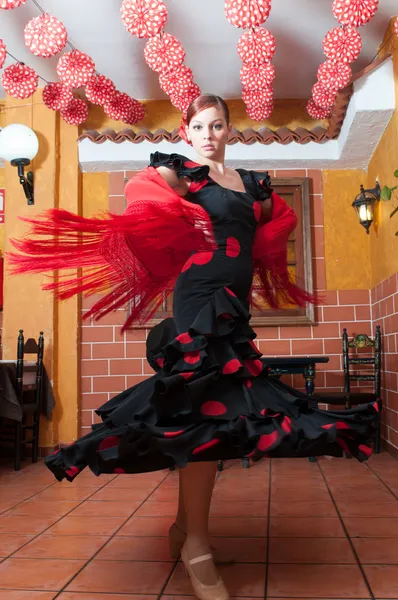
[205,230]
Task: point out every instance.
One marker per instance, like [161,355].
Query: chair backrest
[358,342]
[29,347]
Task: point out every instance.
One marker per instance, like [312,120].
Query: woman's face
[208,131]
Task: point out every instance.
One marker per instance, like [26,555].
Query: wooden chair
[29,394]
[351,357]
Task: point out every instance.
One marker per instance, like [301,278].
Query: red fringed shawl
[134,257]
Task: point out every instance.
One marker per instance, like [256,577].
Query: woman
[204,228]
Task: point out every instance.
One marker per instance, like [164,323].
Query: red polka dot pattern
[45,36]
[192,357]
[186,374]
[233,247]
[173,434]
[255,76]
[200,258]
[75,68]
[261,112]
[246,13]
[256,46]
[254,366]
[286,425]
[258,97]
[266,441]
[143,18]
[164,53]
[72,471]
[160,362]
[334,76]
[366,450]
[184,338]
[342,44]
[323,97]
[316,112]
[182,102]
[20,81]
[230,292]
[212,408]
[232,366]
[3,53]
[76,112]
[100,89]
[206,446]
[110,442]
[119,470]
[257,211]
[248,383]
[10,4]
[354,12]
[177,82]
[56,96]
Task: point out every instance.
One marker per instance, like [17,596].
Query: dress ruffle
[211,399]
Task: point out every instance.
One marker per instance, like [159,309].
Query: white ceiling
[95,27]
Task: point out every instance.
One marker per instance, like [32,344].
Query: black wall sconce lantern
[364,205]
[19,145]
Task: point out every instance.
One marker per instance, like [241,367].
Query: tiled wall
[111,361]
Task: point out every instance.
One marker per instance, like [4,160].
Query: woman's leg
[196,488]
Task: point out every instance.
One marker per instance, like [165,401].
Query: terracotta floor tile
[165,495]
[367,509]
[44,508]
[369,527]
[316,581]
[136,548]
[311,551]
[238,526]
[105,509]
[157,509]
[377,551]
[303,509]
[240,579]
[87,526]
[239,509]
[40,574]
[7,504]
[29,525]
[300,495]
[383,580]
[244,550]
[78,596]
[108,494]
[306,527]
[61,546]
[54,494]
[302,483]
[146,527]
[9,543]
[123,577]
[26,595]
[362,494]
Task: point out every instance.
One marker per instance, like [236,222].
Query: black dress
[211,398]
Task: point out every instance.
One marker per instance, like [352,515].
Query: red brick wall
[111,361]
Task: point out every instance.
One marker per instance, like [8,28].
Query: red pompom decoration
[3,53]
[144,18]
[183,102]
[20,81]
[177,82]
[75,68]
[135,112]
[342,44]
[323,97]
[258,97]
[334,76]
[354,12]
[76,112]
[256,46]
[396,26]
[57,96]
[246,13]
[164,53]
[118,107]
[316,112]
[9,4]
[100,89]
[45,36]
[260,113]
[255,76]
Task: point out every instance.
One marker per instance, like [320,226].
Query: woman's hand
[179,185]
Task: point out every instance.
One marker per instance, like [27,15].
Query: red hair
[198,105]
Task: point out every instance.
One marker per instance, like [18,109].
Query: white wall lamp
[19,145]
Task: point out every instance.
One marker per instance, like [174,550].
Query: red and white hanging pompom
[258,97]
[135,113]
[3,53]
[45,36]
[342,44]
[76,112]
[100,89]
[177,82]
[164,53]
[256,46]
[247,13]
[334,76]
[9,4]
[118,107]
[75,68]
[260,113]
[255,76]
[396,26]
[183,102]
[20,81]
[144,18]
[316,112]
[354,12]
[57,95]
[323,97]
